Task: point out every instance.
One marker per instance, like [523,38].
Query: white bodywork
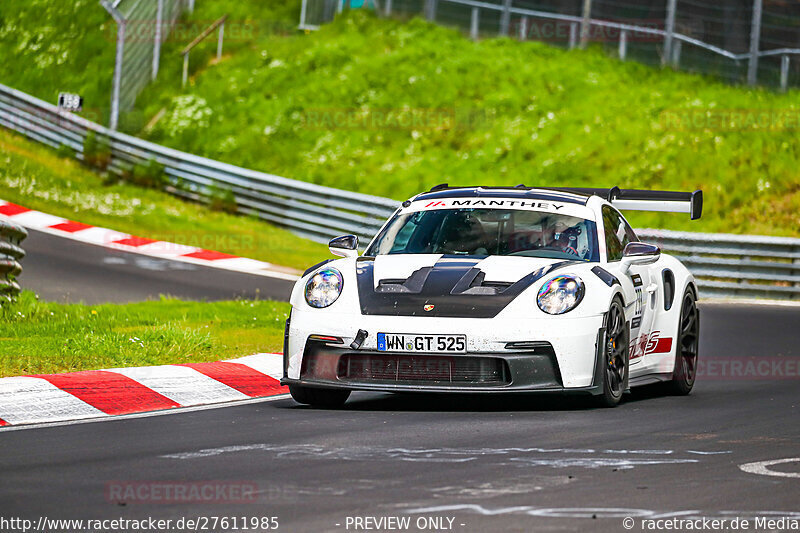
[573,335]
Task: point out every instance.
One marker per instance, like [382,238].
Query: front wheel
[685,371]
[615,356]
[319,397]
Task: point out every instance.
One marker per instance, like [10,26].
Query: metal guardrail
[735,266]
[310,210]
[738,266]
[11,253]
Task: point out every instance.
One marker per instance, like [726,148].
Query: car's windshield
[484,232]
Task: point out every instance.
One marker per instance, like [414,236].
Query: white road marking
[25,400]
[598,462]
[183,385]
[761,467]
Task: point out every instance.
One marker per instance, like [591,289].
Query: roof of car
[521,192]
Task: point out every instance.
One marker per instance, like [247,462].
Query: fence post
[185,76]
[755,38]
[220,39]
[623,44]
[474,24]
[430,10]
[113,119]
[191,6]
[573,35]
[388,9]
[303,8]
[586,22]
[505,18]
[669,31]
[157,38]
[676,53]
[523,29]
[784,72]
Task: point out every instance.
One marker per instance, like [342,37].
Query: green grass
[37,178]
[43,338]
[523,113]
[517,112]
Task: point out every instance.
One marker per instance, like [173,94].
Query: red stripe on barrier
[3,422]
[134,241]
[241,377]
[209,255]
[71,227]
[10,210]
[112,393]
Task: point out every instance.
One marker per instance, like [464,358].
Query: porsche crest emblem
[429,307]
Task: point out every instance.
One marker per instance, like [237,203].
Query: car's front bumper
[562,362]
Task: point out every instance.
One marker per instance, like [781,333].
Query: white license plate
[407,342]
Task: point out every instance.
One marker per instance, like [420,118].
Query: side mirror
[639,253]
[344,246]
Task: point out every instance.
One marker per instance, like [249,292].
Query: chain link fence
[741,41]
[142,27]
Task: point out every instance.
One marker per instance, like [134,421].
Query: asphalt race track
[488,464]
[93,274]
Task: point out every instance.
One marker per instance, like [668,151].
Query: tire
[326,398]
[687,337]
[615,356]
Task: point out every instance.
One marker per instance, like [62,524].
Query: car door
[638,284]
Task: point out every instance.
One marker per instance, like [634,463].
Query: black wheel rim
[616,348]
[689,327]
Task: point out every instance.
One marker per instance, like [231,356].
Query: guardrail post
[388,9]
[523,29]
[669,31]
[505,18]
[573,34]
[586,22]
[784,72]
[474,23]
[157,37]
[623,44]
[191,6]
[755,38]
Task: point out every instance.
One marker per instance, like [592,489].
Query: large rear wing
[638,200]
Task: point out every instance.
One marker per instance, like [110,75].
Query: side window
[611,226]
[618,233]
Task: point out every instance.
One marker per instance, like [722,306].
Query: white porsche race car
[498,289]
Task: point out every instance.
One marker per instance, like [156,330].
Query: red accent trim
[134,241]
[71,227]
[664,345]
[240,377]
[112,393]
[3,422]
[209,255]
[10,210]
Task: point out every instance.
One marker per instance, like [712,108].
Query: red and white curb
[123,391]
[70,229]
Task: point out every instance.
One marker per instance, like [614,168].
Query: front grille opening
[427,369]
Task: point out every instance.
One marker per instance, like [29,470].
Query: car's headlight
[324,287]
[560,294]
